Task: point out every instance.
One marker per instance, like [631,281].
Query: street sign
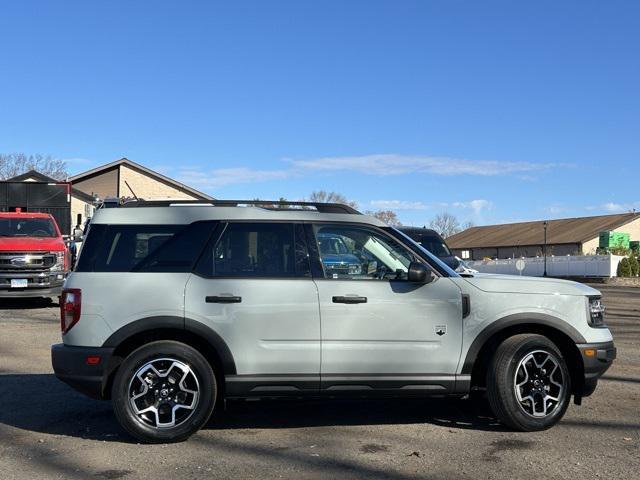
[520,264]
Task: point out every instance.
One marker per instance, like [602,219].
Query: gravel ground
[49,431]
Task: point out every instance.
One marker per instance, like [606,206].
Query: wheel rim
[539,383]
[164,393]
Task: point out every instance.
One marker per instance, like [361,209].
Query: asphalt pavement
[48,431]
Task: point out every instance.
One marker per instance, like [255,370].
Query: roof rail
[267,204]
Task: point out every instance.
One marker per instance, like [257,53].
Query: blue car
[336,257]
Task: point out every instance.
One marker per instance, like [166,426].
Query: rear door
[379,331]
[253,287]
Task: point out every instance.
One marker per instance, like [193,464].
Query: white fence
[569,266]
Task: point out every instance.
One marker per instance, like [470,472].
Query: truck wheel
[164,392]
[528,383]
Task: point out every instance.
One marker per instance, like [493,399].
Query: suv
[175,307]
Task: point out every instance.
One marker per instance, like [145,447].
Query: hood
[31,244]
[345,258]
[516,284]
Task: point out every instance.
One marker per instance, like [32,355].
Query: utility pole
[544,248]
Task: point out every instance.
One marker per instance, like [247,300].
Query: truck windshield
[27,227]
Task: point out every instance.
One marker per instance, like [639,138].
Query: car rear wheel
[528,383]
[164,392]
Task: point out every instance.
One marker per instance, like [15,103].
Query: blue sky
[493,111]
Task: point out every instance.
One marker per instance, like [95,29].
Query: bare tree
[387,216]
[466,225]
[445,224]
[321,196]
[14,164]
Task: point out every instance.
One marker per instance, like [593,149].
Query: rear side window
[261,250]
[143,248]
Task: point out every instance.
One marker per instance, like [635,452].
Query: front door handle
[349,299]
[223,299]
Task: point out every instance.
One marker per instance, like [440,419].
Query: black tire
[501,383]
[125,382]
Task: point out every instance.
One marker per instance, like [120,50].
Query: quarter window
[143,248]
[353,252]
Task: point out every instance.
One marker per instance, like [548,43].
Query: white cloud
[77,161]
[392,164]
[379,165]
[398,205]
[476,205]
[613,207]
[229,176]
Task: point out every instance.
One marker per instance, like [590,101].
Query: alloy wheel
[164,393]
[539,383]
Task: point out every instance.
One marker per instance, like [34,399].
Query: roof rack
[267,204]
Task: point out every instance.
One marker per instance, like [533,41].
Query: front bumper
[31,292]
[596,358]
[70,365]
[43,284]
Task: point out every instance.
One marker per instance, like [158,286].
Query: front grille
[26,261]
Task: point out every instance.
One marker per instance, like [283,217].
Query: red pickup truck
[34,258]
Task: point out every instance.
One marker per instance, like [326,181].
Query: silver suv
[174,307]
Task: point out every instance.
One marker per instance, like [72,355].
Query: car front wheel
[528,383]
[164,392]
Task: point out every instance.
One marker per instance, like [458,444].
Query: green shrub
[624,268]
[619,250]
[634,266]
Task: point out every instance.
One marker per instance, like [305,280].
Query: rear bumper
[70,365]
[596,358]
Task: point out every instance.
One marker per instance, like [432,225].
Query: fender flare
[166,322]
[513,320]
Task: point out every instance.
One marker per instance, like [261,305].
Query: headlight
[355,269]
[59,265]
[596,312]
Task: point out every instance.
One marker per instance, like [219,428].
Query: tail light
[70,302]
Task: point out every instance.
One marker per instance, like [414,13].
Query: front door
[379,331]
[253,287]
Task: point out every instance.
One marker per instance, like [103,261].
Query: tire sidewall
[155,350]
[525,421]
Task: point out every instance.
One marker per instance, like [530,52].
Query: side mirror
[77,234]
[419,273]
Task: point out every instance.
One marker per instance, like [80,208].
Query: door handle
[349,299]
[223,299]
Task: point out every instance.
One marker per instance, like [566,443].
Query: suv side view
[174,307]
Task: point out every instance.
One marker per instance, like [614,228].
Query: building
[126,179]
[121,179]
[567,236]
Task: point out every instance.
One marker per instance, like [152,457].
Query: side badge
[440,330]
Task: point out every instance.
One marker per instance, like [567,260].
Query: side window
[143,248]
[261,250]
[362,253]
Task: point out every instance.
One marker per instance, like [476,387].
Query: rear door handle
[349,299]
[223,299]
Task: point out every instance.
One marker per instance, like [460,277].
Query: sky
[493,111]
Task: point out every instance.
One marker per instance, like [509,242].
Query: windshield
[435,245]
[330,245]
[27,227]
[443,266]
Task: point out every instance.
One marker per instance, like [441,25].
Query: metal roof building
[567,236]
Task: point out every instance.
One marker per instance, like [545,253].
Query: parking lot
[47,430]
